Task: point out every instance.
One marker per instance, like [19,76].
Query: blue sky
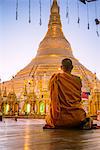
[19,40]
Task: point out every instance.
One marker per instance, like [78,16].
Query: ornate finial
[55,7]
[54,26]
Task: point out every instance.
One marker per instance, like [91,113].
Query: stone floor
[27,134]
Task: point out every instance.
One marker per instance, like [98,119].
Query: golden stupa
[34,78]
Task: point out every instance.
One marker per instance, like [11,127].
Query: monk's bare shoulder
[77,78]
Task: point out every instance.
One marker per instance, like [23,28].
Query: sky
[19,39]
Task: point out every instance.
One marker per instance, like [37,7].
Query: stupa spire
[54,26]
[54,42]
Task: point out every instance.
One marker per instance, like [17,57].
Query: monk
[65,92]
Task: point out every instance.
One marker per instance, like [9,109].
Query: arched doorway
[42,108]
[28,108]
[6,108]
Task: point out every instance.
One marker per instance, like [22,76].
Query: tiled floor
[27,134]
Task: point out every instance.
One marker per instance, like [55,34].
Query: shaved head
[67,64]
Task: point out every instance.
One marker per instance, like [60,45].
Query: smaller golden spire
[25,91]
[5,93]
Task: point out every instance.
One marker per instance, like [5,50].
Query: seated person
[65,92]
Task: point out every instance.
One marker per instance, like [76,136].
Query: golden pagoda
[35,76]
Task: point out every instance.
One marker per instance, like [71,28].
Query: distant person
[0,116]
[16,116]
[65,92]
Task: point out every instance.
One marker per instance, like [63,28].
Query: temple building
[28,91]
